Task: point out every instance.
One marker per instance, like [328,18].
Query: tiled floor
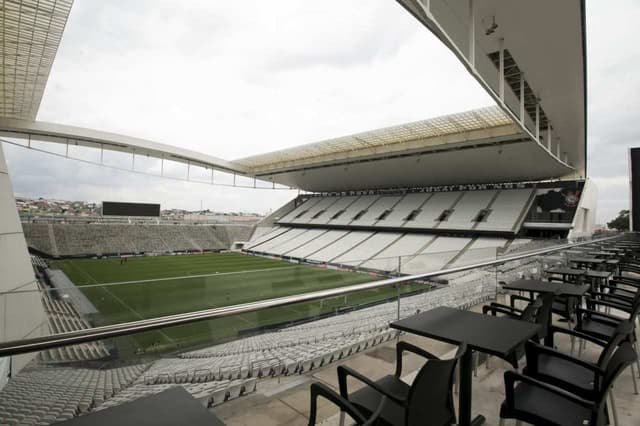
[286,402]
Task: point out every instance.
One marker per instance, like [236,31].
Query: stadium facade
[495,165]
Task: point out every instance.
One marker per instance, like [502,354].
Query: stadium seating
[504,210]
[100,239]
[44,395]
[63,317]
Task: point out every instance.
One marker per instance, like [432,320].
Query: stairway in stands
[52,238]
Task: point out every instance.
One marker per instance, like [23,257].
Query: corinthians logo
[571,198]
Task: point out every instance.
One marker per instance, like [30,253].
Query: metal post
[501,71]
[472,33]
[522,97]
[549,136]
[398,294]
[537,121]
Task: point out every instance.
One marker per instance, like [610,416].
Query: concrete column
[21,313]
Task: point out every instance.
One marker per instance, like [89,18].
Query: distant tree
[621,223]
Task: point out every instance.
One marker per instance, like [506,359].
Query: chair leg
[635,344]
[633,377]
[342,416]
[614,411]
[476,358]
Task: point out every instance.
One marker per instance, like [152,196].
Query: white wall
[585,218]
[21,311]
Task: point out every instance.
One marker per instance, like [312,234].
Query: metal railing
[22,346]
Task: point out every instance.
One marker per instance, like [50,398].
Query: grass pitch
[148,287]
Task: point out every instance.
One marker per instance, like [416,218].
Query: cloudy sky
[232,79]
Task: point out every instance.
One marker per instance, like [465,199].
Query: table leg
[464,397]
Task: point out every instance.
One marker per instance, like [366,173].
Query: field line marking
[136,313]
[189,276]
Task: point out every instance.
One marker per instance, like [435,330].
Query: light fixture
[492,26]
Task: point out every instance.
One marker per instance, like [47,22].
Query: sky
[231,79]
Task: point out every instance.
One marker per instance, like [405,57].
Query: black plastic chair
[542,404]
[321,390]
[543,315]
[428,401]
[530,313]
[573,374]
[602,325]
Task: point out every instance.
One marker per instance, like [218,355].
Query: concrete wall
[584,220]
[21,311]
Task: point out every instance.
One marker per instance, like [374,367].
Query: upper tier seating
[482,210]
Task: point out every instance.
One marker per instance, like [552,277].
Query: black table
[597,277]
[579,261]
[497,336]
[565,272]
[172,407]
[603,253]
[539,286]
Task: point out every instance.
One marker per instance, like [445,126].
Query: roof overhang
[542,41]
[31,33]
[71,135]
[478,146]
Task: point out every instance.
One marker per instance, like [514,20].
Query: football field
[147,287]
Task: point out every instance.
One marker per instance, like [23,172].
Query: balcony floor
[286,401]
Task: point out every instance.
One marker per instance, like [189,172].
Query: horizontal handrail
[22,346]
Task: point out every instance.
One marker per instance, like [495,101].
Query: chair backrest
[430,400]
[621,333]
[622,358]
[530,312]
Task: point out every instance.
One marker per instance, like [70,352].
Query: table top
[587,260]
[603,253]
[486,333]
[174,406]
[540,286]
[597,274]
[613,261]
[565,271]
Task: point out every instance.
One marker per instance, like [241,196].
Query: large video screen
[112,208]
[634,166]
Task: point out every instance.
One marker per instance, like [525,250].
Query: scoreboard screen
[112,208]
[634,175]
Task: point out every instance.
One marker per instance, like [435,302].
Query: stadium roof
[477,146]
[31,33]
[419,134]
[542,48]
[89,138]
